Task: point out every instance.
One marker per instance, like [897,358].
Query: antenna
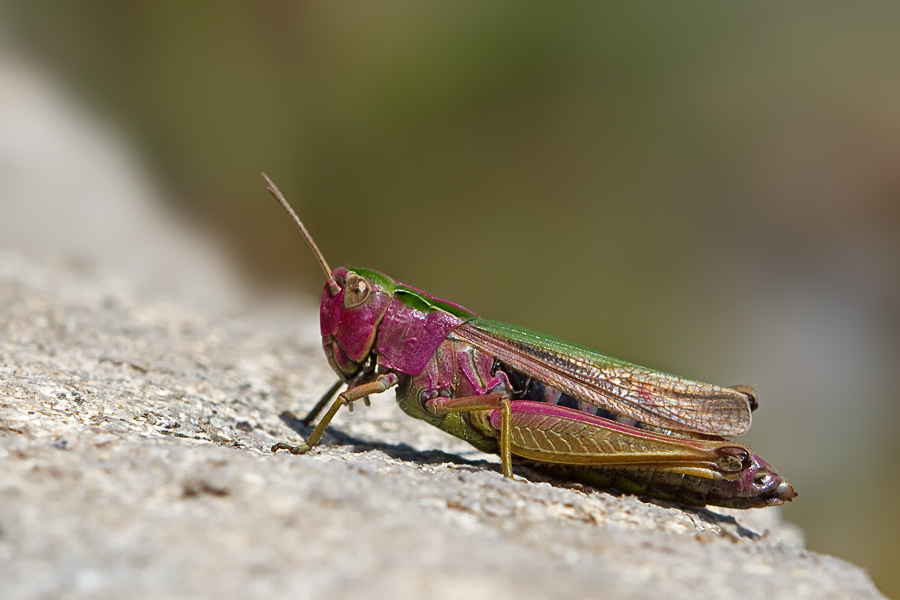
[333,287]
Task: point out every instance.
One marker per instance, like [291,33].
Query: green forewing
[652,397]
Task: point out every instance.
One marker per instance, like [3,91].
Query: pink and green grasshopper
[558,408]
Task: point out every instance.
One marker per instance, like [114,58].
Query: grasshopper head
[350,314]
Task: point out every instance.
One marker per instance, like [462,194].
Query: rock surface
[134,462]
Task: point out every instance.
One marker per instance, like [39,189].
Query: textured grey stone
[134,462]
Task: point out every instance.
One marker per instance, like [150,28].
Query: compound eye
[356,291]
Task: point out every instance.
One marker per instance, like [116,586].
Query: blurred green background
[710,189]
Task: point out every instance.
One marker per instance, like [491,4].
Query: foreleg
[381,384]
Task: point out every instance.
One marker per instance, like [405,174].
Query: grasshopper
[553,407]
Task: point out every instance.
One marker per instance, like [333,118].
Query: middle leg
[442,406]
